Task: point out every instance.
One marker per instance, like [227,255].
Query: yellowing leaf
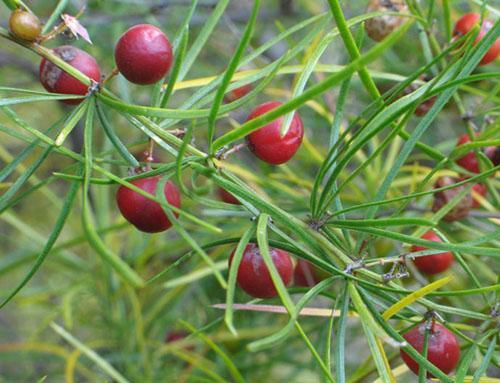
[409,299]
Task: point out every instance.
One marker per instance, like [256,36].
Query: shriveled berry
[443,348]
[466,23]
[267,143]
[461,209]
[227,197]
[306,274]
[145,214]
[253,276]
[379,27]
[24,25]
[143,54]
[238,93]
[434,263]
[55,80]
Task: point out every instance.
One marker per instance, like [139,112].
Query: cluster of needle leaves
[352,202]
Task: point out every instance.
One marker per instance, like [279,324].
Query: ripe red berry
[267,143]
[55,80]
[435,263]
[480,189]
[143,213]
[441,198]
[378,28]
[305,274]
[143,54]
[227,197]
[24,25]
[466,23]
[443,349]
[253,275]
[469,161]
[238,93]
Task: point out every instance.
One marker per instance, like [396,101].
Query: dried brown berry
[378,28]
[24,25]
[461,209]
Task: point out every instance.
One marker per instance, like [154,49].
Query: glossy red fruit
[253,276]
[441,198]
[238,93]
[435,263]
[143,54]
[227,197]
[145,214]
[24,25]
[469,161]
[443,348]
[480,189]
[305,274]
[267,143]
[466,23]
[55,80]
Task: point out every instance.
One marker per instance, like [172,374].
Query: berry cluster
[143,55]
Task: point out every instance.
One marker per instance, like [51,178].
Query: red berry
[267,143]
[238,93]
[253,276]
[143,54]
[468,161]
[175,335]
[466,23]
[227,197]
[143,213]
[443,348]
[480,189]
[55,80]
[435,263]
[441,198]
[306,274]
[24,25]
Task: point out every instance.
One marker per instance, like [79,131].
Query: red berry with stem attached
[434,263]
[267,143]
[466,23]
[145,214]
[24,25]
[227,197]
[238,93]
[143,54]
[253,275]
[443,349]
[55,80]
